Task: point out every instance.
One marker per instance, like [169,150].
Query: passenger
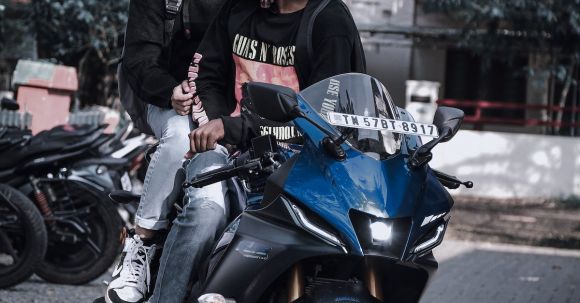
[154,63]
[268,42]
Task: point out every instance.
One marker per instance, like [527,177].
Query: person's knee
[175,139]
[206,161]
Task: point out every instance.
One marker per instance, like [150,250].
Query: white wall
[504,165]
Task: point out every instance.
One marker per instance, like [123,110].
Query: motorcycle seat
[50,143]
[106,161]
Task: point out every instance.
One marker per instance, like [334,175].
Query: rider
[156,72]
[247,43]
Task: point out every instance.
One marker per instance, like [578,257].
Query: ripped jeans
[194,231]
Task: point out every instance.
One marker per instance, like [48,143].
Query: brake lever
[451,182]
[223,173]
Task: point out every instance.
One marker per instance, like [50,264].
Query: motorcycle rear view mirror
[273,102]
[280,104]
[447,120]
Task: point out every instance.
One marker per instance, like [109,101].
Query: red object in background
[479,118]
[45,90]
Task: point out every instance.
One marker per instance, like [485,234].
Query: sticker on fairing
[395,126]
[253,250]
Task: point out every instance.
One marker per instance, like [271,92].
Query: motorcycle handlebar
[239,166]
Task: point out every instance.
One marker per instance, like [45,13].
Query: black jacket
[153,69]
[327,44]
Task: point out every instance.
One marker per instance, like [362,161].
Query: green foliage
[505,29]
[515,25]
[87,34]
[67,28]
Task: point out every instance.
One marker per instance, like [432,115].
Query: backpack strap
[186,20]
[304,47]
[172,8]
[309,27]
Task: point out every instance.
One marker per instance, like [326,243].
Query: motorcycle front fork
[295,283]
[373,281]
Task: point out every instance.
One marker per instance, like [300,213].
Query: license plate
[396,126]
[126,182]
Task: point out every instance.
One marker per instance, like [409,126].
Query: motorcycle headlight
[214,298]
[381,236]
[381,231]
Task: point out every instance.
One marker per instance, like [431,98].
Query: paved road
[479,273]
[468,272]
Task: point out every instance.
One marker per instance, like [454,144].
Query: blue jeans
[158,188]
[194,231]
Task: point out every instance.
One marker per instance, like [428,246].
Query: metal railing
[482,116]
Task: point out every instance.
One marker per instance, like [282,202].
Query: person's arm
[143,53]
[209,74]
[211,70]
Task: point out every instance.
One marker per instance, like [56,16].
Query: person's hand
[205,137]
[182,98]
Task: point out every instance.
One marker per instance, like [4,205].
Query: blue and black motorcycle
[352,216]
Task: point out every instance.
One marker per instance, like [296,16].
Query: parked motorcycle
[22,231]
[115,165]
[82,224]
[352,217]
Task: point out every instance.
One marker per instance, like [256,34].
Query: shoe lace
[138,264]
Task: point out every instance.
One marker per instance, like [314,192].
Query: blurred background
[512,66]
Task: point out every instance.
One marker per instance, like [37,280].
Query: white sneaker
[131,276]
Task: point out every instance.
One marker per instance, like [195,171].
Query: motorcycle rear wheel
[77,263]
[23,237]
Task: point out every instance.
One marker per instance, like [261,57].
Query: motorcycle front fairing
[382,188]
[341,199]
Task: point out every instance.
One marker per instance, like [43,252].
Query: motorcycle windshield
[359,107]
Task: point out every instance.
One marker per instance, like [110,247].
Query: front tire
[76,263]
[23,237]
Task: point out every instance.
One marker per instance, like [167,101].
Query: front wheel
[22,237]
[83,238]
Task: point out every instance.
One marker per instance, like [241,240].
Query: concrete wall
[388,58]
[504,165]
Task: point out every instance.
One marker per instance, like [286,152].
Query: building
[403,42]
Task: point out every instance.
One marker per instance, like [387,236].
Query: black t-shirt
[268,48]
[263,50]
